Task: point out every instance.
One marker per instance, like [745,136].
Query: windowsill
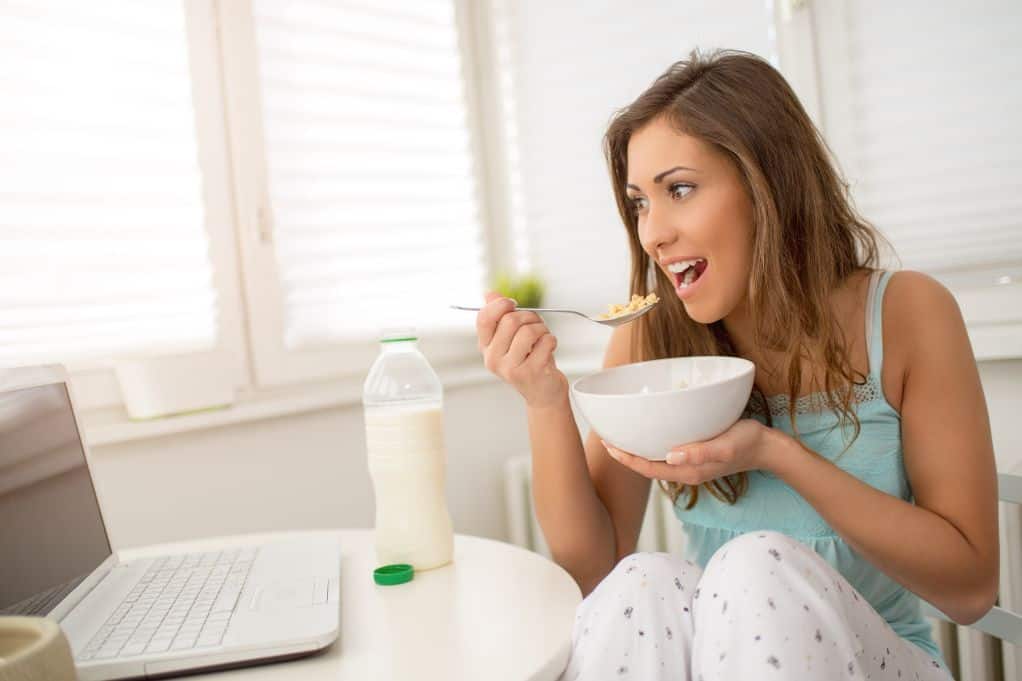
[112,425]
[992,318]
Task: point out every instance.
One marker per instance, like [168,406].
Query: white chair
[999,623]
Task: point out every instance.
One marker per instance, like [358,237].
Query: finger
[490,316]
[542,351]
[493,295]
[699,454]
[506,329]
[524,341]
[658,470]
[641,465]
[680,456]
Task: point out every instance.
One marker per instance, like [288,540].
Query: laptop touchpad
[283,595]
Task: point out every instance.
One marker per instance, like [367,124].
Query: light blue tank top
[875,457]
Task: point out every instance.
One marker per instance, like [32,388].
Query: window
[919,104]
[357,181]
[178,179]
[113,209]
[103,248]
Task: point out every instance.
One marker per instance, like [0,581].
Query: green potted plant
[527,289]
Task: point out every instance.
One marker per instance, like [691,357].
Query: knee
[749,572]
[652,568]
[752,554]
[755,546]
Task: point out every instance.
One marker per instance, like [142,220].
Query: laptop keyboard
[181,602]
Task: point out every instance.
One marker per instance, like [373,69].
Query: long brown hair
[807,239]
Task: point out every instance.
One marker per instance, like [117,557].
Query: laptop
[226,606]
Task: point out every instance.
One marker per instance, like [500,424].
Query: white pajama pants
[766,607]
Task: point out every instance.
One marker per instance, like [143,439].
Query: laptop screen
[51,534]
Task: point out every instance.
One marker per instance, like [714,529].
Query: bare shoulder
[918,309]
[923,328]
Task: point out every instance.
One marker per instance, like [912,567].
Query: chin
[702,314]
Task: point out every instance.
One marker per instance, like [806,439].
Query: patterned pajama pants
[766,607]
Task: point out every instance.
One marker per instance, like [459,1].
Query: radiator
[971,655]
[661,531]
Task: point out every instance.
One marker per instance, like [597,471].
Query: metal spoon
[613,321]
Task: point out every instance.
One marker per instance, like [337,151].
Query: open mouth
[687,272]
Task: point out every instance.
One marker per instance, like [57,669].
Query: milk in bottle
[403,407]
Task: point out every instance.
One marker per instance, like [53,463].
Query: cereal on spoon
[634,305]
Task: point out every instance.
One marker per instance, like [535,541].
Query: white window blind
[921,102]
[103,250]
[371,179]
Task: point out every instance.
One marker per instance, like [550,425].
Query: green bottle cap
[388,575]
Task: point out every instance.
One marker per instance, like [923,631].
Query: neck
[741,329]
[740,326]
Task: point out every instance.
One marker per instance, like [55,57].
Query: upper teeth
[682,265]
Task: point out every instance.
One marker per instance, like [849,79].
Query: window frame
[95,381]
[273,364]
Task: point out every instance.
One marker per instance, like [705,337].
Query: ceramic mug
[34,649]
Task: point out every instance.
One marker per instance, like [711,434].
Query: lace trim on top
[779,405]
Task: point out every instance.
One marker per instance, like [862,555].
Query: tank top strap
[874,321]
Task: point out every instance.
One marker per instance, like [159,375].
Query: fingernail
[675,457]
[514,301]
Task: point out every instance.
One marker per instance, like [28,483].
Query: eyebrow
[661,176]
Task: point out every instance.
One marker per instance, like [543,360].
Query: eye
[680,190]
[638,204]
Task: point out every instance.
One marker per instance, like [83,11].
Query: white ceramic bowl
[644,409]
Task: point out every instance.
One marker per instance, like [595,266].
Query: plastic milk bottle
[402,400]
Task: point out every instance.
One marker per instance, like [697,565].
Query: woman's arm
[945,548]
[590,512]
[590,508]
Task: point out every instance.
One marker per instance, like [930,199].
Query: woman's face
[694,216]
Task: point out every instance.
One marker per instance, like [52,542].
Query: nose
[656,230]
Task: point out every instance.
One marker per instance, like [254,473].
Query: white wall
[304,471]
[1002,386]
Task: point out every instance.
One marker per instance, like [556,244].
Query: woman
[863,473]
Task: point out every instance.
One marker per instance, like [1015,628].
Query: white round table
[497,612]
